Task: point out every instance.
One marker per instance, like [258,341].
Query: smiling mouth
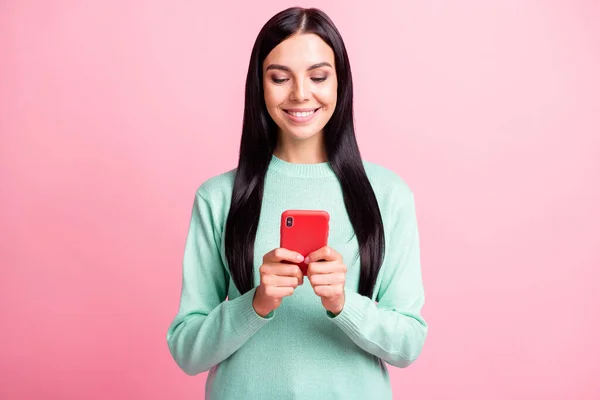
[302,114]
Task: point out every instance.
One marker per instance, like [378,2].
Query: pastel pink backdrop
[112,113]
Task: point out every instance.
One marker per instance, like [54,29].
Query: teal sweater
[299,351]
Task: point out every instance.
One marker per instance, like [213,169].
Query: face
[300,85]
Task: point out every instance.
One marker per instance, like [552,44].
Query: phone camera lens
[289,222]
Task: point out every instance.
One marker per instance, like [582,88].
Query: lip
[300,119]
[301,109]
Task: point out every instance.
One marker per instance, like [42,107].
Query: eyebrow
[284,68]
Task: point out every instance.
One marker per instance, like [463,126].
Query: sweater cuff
[245,319]
[351,317]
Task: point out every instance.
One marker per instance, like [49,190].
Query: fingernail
[299,257]
[307,260]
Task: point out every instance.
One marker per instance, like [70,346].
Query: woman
[276,337]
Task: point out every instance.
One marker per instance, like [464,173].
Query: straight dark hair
[259,138]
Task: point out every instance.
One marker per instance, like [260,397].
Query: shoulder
[387,184]
[217,185]
[215,192]
[213,198]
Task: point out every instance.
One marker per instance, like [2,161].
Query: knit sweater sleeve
[208,328]
[393,328]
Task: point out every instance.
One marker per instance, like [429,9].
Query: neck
[304,151]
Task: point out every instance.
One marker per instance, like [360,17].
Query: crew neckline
[318,170]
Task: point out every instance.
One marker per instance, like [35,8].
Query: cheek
[273,96]
[328,96]
[268,98]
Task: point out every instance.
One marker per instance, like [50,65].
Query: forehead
[300,51]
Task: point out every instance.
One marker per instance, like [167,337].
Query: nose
[298,92]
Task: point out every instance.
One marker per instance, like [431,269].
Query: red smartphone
[304,231]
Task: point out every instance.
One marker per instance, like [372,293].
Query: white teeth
[301,114]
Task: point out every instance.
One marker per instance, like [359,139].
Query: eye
[319,79]
[278,81]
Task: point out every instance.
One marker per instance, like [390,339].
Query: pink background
[112,113]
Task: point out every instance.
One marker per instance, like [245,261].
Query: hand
[327,277]
[277,280]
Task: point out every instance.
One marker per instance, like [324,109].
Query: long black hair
[259,137]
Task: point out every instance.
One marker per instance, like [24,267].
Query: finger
[280,269]
[280,254]
[328,279]
[280,281]
[326,253]
[329,291]
[325,267]
[278,292]
[300,277]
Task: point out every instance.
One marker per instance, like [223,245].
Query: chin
[303,133]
